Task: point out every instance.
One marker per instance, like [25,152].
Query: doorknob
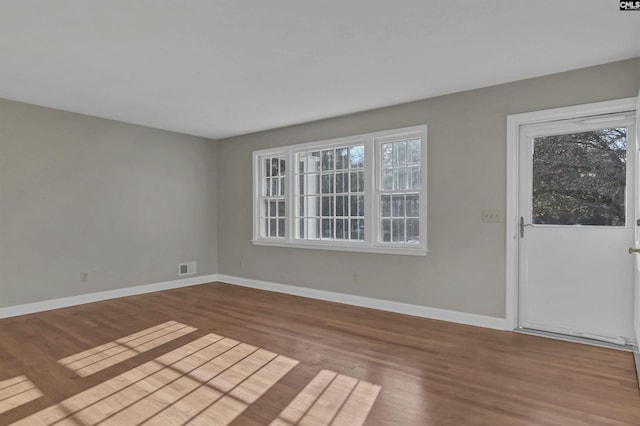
[634,250]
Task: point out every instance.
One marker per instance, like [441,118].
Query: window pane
[354,182]
[414,177]
[357,181]
[307,162]
[357,229]
[313,165]
[341,206]
[327,160]
[342,158]
[398,230]
[313,206]
[342,229]
[356,154]
[327,184]
[580,178]
[313,228]
[267,186]
[357,205]
[413,234]
[267,167]
[281,228]
[386,230]
[281,208]
[397,205]
[272,208]
[273,228]
[327,206]
[274,186]
[400,178]
[282,170]
[413,205]
[400,153]
[282,185]
[387,178]
[387,154]
[342,182]
[301,204]
[413,148]
[386,205]
[327,228]
[274,167]
[301,228]
[313,184]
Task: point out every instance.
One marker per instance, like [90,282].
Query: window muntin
[362,193]
[330,194]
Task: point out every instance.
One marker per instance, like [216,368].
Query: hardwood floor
[232,355]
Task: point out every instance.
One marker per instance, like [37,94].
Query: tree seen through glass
[580,178]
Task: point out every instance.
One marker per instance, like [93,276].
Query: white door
[577,221]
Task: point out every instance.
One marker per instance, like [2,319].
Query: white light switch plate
[491,216]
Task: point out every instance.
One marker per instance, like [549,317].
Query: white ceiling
[218,68]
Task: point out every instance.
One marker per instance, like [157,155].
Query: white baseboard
[368,302]
[47,305]
[349,299]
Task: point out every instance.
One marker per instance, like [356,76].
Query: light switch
[491,216]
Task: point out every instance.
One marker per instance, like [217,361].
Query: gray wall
[126,203]
[121,202]
[465,268]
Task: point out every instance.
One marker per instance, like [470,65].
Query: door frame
[514,123]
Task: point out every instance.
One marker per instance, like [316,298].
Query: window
[273,205]
[330,194]
[362,193]
[399,190]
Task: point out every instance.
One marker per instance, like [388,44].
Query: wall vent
[188,268]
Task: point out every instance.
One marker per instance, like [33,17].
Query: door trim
[514,122]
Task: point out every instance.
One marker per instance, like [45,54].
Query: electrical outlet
[187,268]
[491,216]
[84,276]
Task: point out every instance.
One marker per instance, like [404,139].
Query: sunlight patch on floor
[209,381]
[17,391]
[104,356]
[330,399]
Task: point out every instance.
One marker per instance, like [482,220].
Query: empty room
[319,213]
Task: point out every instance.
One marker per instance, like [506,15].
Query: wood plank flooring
[221,354]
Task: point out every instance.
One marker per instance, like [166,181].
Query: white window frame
[259,197]
[372,242]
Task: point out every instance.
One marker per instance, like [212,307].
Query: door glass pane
[580,178]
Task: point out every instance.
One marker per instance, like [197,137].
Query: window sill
[417,251]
